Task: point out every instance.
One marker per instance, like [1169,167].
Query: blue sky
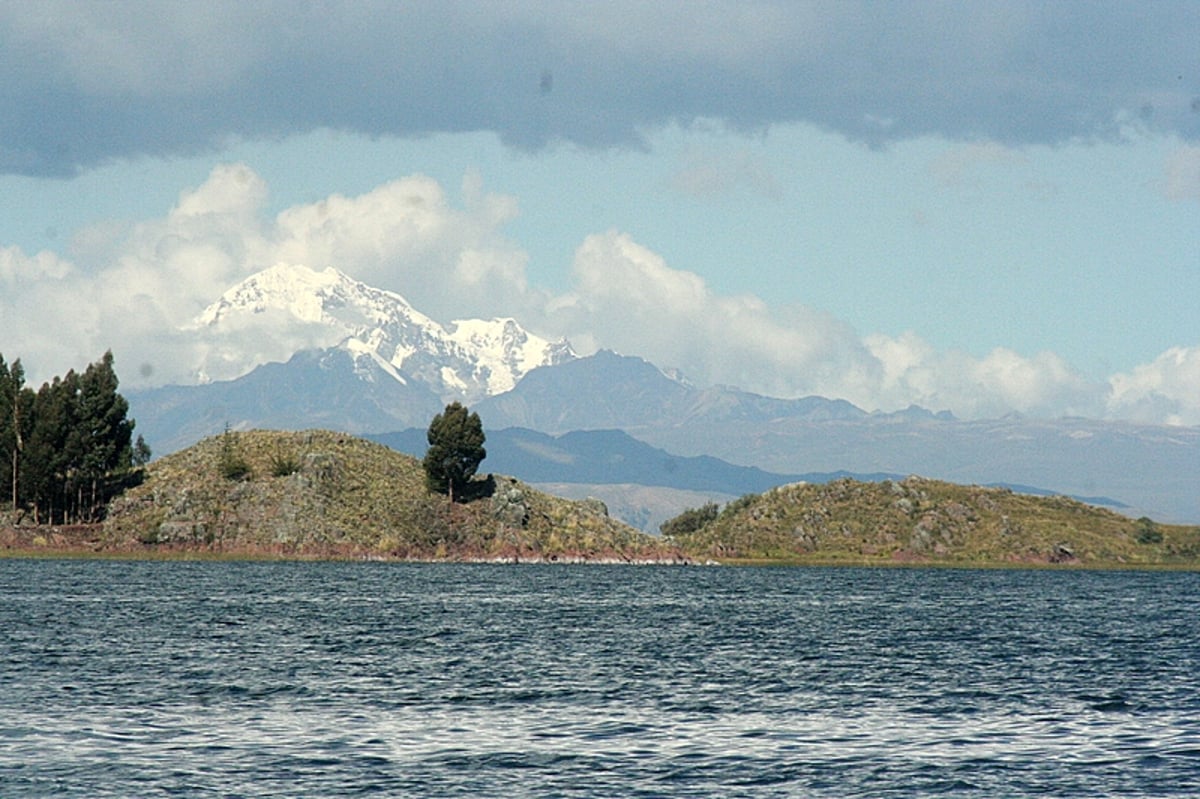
[986,207]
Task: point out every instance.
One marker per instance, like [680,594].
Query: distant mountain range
[388,366]
[385,367]
[611,456]
[611,391]
[1153,470]
[606,463]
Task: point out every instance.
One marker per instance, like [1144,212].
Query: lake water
[125,679]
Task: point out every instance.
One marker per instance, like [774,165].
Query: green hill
[323,494]
[928,521]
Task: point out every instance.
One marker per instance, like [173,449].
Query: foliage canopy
[67,448]
[690,521]
[455,450]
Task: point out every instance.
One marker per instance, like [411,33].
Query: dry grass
[928,521]
[330,494]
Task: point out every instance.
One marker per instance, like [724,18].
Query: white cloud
[1001,382]
[961,164]
[1041,385]
[1183,174]
[17,268]
[1165,390]
[161,272]
[615,273]
[232,190]
[132,289]
[133,286]
[627,298]
[406,236]
[41,316]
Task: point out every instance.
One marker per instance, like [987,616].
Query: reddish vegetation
[87,539]
[52,539]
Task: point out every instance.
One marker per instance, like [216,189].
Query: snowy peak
[326,297]
[277,312]
[506,350]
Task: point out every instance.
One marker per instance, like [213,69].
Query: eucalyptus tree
[13,398]
[67,448]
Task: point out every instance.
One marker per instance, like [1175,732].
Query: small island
[922,521]
[324,495]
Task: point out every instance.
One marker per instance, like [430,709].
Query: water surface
[121,679]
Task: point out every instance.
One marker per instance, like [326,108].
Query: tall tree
[104,446]
[455,450]
[12,381]
[50,455]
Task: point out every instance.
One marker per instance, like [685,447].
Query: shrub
[232,462]
[284,463]
[1148,532]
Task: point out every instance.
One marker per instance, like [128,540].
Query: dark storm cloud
[81,83]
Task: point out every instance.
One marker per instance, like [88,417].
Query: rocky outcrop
[508,503]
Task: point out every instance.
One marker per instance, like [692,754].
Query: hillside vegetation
[919,520]
[318,493]
[322,494]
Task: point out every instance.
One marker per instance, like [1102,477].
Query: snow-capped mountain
[293,348]
[288,308]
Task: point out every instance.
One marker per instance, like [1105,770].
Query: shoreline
[85,542]
[77,542]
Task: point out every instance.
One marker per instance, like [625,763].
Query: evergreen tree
[688,522]
[141,452]
[104,446]
[455,450]
[51,451]
[12,381]
[67,448]
[8,444]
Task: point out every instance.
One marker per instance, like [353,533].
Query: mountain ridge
[374,364]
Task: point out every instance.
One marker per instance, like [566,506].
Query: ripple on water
[370,679]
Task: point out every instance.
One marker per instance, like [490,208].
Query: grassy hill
[919,520]
[321,494]
[318,493]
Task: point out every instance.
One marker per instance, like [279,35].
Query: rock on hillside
[319,493]
[919,520]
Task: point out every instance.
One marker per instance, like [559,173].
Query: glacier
[289,308]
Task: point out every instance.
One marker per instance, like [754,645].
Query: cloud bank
[133,290]
[83,83]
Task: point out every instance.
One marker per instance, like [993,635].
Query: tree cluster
[66,449]
[690,521]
